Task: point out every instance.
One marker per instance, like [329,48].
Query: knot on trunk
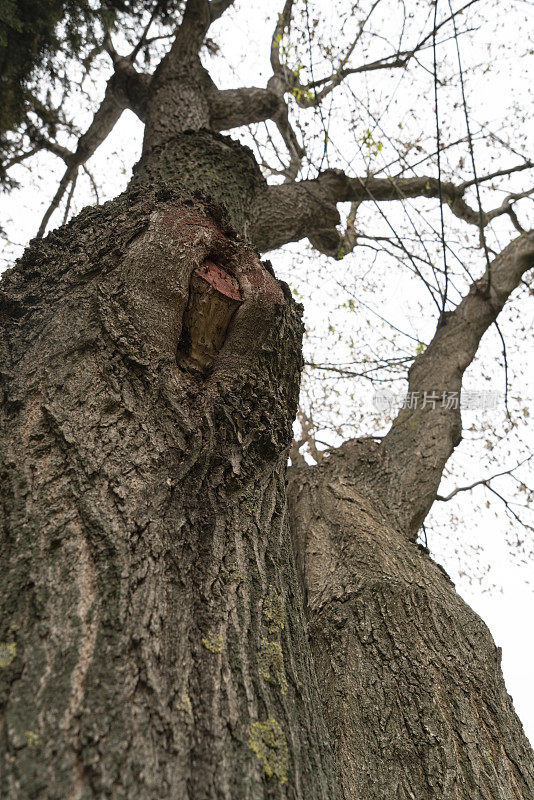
[208,167]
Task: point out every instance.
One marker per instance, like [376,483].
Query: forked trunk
[154,642]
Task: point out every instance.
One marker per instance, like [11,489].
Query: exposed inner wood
[214,296]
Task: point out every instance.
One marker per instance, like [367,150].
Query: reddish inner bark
[222,281]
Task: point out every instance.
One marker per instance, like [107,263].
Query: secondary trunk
[410,677]
[153,641]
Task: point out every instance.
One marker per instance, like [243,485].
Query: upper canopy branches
[179,94]
[155,52]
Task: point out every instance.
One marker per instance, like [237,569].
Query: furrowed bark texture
[410,677]
[153,641]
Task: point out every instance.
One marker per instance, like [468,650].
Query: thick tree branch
[296,152]
[231,108]
[131,87]
[343,189]
[282,26]
[247,105]
[197,18]
[181,86]
[293,211]
[425,433]
[281,81]
[218,7]
[192,32]
[349,238]
[103,122]
[404,470]
[308,208]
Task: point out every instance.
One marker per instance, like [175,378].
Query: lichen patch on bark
[267,741]
[8,653]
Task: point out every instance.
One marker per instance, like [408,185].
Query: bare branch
[69,197]
[43,143]
[309,207]
[18,159]
[143,38]
[498,174]
[109,47]
[92,181]
[349,240]
[482,482]
[422,438]
[307,437]
[102,124]
[509,509]
[386,189]
[282,25]
[235,107]
[400,59]
[515,222]
[369,373]
[56,200]
[296,152]
[306,99]
[505,206]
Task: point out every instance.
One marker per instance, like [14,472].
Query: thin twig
[482,482]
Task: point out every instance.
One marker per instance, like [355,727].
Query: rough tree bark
[153,627]
[163,626]
[410,676]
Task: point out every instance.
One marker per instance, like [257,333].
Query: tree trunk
[153,639]
[410,677]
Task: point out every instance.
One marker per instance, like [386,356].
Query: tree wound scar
[220,280]
[214,296]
